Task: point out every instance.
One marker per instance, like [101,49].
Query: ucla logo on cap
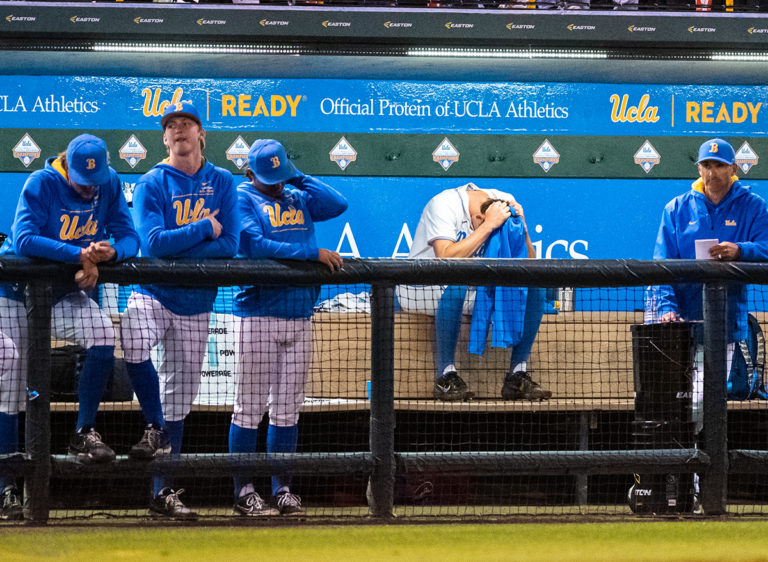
[717,149]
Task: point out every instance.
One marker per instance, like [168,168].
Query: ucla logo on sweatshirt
[73,229]
[186,213]
[278,217]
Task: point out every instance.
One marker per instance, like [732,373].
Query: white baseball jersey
[446,217]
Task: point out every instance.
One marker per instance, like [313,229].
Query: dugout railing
[711,459]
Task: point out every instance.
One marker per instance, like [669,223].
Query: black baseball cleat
[288,503]
[520,386]
[449,387]
[88,447]
[154,442]
[10,504]
[251,505]
[167,504]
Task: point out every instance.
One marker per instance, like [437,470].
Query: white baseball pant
[274,359]
[424,299]
[76,318]
[181,343]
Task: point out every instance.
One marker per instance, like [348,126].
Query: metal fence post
[382,431]
[714,482]
[38,417]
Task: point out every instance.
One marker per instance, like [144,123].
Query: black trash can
[663,367]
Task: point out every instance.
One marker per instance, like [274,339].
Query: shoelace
[172,499]
[288,499]
[526,377]
[10,499]
[152,437]
[93,438]
[254,501]
[452,380]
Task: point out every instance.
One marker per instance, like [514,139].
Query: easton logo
[684,395]
[694,29]
[574,27]
[512,26]
[391,24]
[203,21]
[328,23]
[754,30]
[11,18]
[638,29]
[147,20]
[451,25]
[268,23]
[80,19]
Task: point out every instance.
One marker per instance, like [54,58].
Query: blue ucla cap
[183,108]
[269,162]
[717,149]
[88,160]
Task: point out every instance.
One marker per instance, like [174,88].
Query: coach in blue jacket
[717,207]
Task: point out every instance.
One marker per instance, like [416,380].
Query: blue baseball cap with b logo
[88,160]
[717,149]
[183,108]
[269,162]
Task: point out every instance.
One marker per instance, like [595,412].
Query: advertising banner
[319,105]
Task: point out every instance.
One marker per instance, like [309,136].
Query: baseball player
[71,211]
[278,207]
[453,225]
[185,207]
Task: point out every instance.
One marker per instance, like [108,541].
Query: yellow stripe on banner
[532,4]
[673,111]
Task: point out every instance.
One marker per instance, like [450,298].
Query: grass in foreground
[665,540]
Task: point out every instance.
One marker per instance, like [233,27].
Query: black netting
[602,413]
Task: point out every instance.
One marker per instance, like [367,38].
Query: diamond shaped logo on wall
[546,156]
[647,157]
[133,151]
[343,153]
[445,154]
[746,158]
[238,152]
[26,150]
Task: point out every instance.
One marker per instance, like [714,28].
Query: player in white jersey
[454,224]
